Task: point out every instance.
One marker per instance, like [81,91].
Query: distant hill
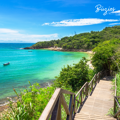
[87,40]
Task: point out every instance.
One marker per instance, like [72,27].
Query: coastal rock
[27,48]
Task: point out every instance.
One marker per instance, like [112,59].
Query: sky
[30,21]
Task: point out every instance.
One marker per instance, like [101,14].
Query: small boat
[6,63]
[29,51]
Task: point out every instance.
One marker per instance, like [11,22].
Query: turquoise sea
[37,66]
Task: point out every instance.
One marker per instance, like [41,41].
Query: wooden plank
[77,100]
[70,107]
[55,111]
[51,104]
[117,114]
[67,92]
[92,80]
[64,104]
[59,110]
[80,89]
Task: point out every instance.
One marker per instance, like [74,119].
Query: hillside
[82,40]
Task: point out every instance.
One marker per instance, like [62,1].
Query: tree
[73,76]
[105,56]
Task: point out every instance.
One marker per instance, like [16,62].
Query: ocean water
[30,65]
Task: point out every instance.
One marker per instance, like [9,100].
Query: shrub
[30,103]
[73,76]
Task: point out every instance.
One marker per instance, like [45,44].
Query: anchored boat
[6,63]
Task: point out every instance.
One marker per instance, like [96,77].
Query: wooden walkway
[98,104]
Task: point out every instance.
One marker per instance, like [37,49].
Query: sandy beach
[74,50]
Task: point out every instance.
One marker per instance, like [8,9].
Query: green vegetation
[30,104]
[74,77]
[106,50]
[111,111]
[82,40]
[106,56]
[118,83]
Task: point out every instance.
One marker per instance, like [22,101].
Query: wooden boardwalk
[99,103]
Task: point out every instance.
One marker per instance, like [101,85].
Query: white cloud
[14,35]
[116,12]
[81,22]
[46,23]
[114,24]
[4,30]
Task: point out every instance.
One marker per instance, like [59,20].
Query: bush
[30,104]
[105,57]
[73,76]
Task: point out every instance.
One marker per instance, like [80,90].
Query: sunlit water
[30,65]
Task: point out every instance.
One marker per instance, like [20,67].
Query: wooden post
[114,104]
[69,117]
[73,110]
[95,78]
[99,77]
[59,110]
[78,100]
[86,89]
[81,96]
[74,105]
[92,86]
[65,104]
[55,111]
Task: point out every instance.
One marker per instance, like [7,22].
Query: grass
[111,111]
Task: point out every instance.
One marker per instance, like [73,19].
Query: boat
[6,63]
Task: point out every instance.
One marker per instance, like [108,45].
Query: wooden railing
[53,110]
[116,102]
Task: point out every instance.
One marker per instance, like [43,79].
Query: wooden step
[81,116]
[95,105]
[99,103]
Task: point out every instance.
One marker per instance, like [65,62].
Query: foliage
[118,83]
[118,91]
[73,76]
[30,104]
[82,40]
[106,56]
[111,111]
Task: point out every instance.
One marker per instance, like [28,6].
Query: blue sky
[43,20]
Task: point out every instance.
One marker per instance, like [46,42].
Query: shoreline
[61,49]
[5,101]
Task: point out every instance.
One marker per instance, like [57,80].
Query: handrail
[116,102]
[50,106]
[53,109]
[93,82]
